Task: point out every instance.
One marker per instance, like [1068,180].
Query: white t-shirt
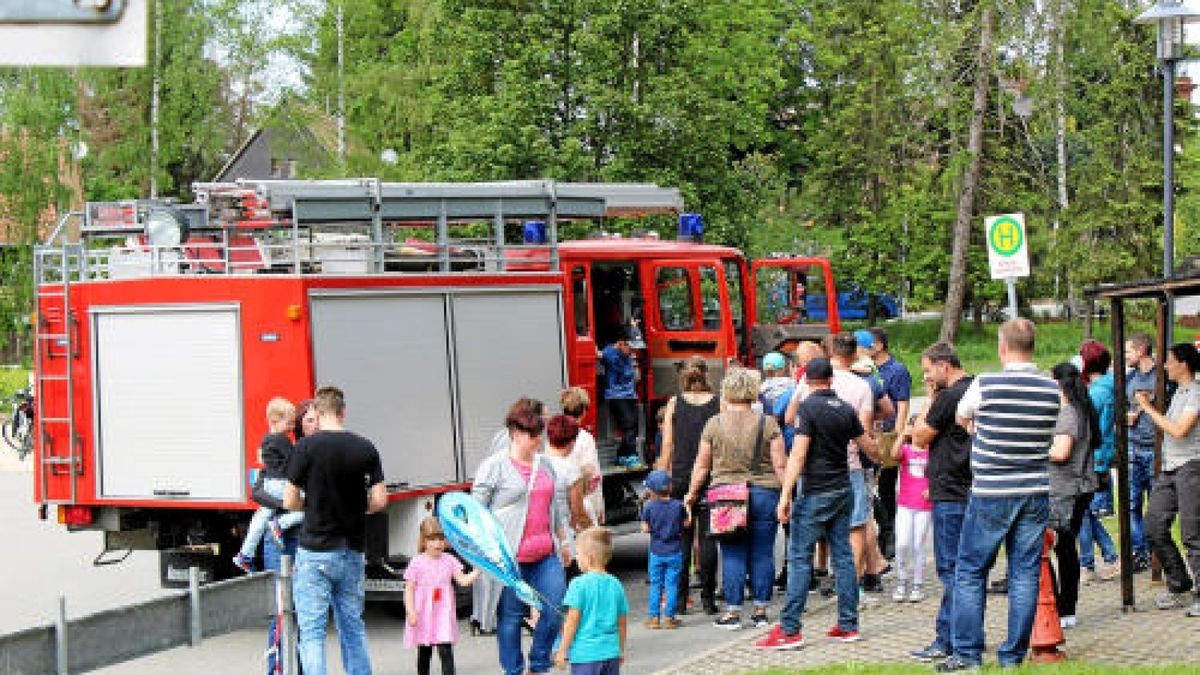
[586,456]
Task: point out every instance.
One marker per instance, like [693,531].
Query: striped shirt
[1015,412]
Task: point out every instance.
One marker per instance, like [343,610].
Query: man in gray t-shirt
[1141,376]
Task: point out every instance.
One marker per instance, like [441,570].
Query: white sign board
[1007,245]
[119,40]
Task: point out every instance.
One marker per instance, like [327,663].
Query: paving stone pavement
[891,630]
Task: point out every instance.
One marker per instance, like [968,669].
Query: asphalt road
[44,560]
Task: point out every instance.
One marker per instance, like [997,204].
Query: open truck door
[791,300]
[687,314]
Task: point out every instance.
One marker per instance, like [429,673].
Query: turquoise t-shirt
[601,602]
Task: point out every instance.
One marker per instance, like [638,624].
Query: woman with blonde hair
[740,447]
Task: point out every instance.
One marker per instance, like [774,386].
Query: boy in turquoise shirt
[593,635]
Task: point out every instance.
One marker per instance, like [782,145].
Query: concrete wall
[126,633]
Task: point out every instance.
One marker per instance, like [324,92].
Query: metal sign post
[1008,252]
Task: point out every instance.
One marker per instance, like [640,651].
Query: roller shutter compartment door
[168,399]
[388,353]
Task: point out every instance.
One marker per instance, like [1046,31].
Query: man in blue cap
[776,391]
[664,519]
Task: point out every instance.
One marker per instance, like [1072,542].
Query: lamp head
[1169,16]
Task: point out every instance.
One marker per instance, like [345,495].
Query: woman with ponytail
[1072,481]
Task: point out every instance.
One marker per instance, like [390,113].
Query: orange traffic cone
[1047,633]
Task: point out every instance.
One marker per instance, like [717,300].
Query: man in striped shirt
[1013,413]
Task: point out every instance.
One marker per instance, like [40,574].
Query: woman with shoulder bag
[744,452]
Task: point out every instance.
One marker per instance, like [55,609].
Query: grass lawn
[12,379]
[1068,668]
[1057,341]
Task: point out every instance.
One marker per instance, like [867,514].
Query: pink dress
[433,600]
[913,481]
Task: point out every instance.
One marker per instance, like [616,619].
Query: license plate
[384,585]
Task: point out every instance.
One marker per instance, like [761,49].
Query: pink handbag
[728,510]
[728,505]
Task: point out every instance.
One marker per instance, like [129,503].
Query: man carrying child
[275,451]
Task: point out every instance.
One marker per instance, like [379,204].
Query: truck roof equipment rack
[346,226]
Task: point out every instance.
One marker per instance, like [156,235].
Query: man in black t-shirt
[335,476]
[825,426]
[949,473]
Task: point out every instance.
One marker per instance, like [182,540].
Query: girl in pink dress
[429,600]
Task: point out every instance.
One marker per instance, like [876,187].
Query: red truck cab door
[790,300]
[687,313]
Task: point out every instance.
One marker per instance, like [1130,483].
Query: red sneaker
[836,633]
[779,640]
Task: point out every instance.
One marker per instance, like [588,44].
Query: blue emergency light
[691,227]
[533,232]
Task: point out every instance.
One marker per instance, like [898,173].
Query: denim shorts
[862,499]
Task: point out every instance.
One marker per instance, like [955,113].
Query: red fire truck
[162,330]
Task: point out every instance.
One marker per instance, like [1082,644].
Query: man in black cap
[825,425]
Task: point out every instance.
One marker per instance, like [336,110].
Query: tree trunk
[1060,140]
[966,198]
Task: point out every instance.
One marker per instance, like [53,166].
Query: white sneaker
[1067,622]
[900,593]
[916,594]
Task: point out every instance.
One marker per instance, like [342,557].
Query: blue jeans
[324,580]
[547,578]
[824,515]
[1093,530]
[947,527]
[1103,498]
[1141,481]
[754,550]
[1019,523]
[664,580]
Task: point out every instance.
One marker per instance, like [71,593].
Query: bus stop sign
[1007,245]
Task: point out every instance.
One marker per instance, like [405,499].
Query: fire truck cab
[163,330]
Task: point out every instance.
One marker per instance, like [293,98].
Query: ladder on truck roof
[291,225]
[55,334]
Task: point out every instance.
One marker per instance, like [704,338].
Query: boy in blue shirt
[593,635]
[620,391]
[664,518]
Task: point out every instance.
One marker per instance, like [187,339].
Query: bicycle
[18,428]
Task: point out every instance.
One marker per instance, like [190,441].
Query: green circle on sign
[1006,236]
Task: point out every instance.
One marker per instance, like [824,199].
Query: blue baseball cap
[657,481]
[864,338]
[774,361]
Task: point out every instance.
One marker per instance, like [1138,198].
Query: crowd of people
[993,461]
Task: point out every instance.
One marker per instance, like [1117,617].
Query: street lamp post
[1169,16]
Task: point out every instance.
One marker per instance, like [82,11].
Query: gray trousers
[1176,492]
